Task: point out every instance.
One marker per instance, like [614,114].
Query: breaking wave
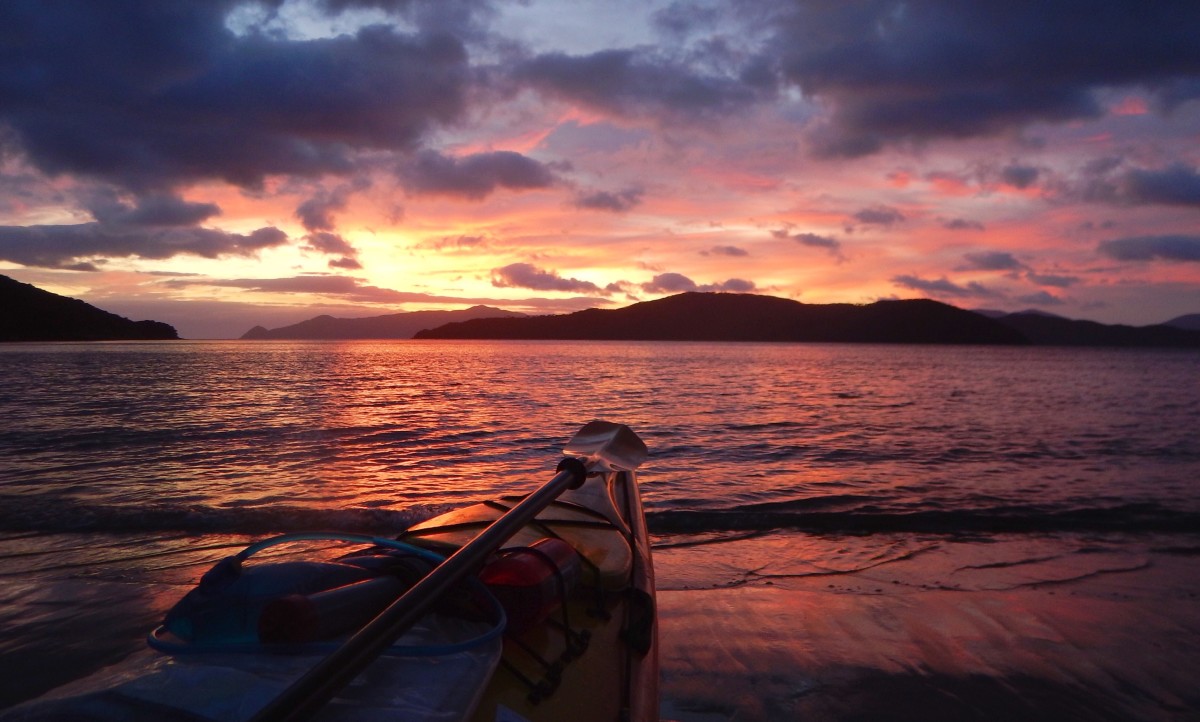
[27,515]
[1032,519]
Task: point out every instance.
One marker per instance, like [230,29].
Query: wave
[837,514]
[1121,518]
[24,514]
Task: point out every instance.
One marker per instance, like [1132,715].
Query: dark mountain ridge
[28,313]
[387,326]
[748,317]
[1048,330]
[1190,321]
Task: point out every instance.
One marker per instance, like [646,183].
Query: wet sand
[932,630]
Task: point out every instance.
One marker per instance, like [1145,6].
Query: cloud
[456,244]
[330,285]
[731,251]
[1045,279]
[962,224]
[812,240]
[670,283]
[992,261]
[1019,176]
[316,213]
[474,176]
[944,287]
[679,283]
[160,95]
[1041,298]
[346,263]
[732,285]
[354,290]
[1149,248]
[1175,185]
[617,202]
[331,243]
[526,275]
[637,83]
[895,72]
[879,216]
[67,246]
[153,210]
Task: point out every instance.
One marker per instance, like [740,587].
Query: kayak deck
[593,658]
[599,660]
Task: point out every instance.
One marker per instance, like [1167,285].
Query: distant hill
[990,313]
[1190,322]
[1047,330]
[748,317]
[388,326]
[28,313]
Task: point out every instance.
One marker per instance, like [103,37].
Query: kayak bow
[536,607]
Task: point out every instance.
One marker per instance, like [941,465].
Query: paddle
[604,445]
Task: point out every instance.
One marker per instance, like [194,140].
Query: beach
[1079,629]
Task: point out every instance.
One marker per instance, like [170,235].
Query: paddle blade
[609,446]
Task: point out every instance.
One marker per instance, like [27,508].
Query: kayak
[523,608]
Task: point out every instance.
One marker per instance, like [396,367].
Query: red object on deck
[532,582]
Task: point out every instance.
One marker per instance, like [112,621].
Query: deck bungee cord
[230,568]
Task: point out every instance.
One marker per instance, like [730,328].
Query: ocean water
[127,468]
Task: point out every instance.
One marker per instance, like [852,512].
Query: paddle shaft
[319,685]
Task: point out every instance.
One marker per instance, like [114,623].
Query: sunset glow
[219,165]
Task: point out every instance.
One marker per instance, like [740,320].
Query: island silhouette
[28,313]
[387,326]
[696,316]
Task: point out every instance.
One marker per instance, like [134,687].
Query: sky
[220,164]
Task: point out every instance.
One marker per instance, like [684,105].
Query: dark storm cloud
[926,69]
[152,210]
[1175,185]
[635,83]
[1111,180]
[617,202]
[1149,248]
[157,94]
[526,275]
[474,176]
[69,246]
